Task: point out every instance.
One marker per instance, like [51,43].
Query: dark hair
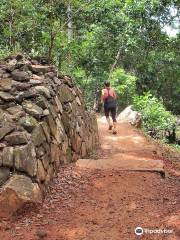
[107,84]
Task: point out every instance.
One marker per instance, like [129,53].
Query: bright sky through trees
[173,29]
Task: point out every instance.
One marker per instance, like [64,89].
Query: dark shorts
[110,111]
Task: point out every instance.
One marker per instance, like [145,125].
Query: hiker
[108,97]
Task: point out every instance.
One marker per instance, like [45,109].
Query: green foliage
[4,52]
[107,35]
[86,85]
[154,114]
[125,86]
[176,147]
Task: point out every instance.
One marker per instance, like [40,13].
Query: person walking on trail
[108,97]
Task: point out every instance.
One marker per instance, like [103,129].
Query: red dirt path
[128,150]
[103,204]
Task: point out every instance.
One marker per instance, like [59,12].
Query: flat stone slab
[122,164]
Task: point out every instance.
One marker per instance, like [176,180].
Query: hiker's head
[107,84]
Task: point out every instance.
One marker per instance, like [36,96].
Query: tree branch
[115,62]
[76,12]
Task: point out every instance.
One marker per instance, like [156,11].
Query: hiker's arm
[102,96]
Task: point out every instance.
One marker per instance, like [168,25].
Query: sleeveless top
[109,97]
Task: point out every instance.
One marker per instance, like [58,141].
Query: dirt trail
[104,203]
[128,150]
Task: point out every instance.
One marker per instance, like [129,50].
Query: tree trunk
[115,62]
[69,24]
[11,40]
[51,45]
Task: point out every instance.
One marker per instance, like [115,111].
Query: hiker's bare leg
[109,121]
[106,111]
[114,125]
[113,114]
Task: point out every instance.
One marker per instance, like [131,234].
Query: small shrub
[154,114]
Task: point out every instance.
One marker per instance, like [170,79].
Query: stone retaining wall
[43,124]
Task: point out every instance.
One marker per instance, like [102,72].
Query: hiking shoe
[110,127]
[114,132]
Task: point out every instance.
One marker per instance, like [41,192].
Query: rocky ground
[96,204]
[103,204]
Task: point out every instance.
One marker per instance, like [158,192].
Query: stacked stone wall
[43,124]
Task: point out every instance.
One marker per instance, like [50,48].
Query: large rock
[38,136]
[45,160]
[5,129]
[18,191]
[20,86]
[76,143]
[41,173]
[131,116]
[8,156]
[55,156]
[25,159]
[5,84]
[65,94]
[28,122]
[59,105]
[4,175]
[27,94]
[55,129]
[6,96]
[46,131]
[43,90]
[16,112]
[11,65]
[20,75]
[50,174]
[40,68]
[17,138]
[32,109]
[60,131]
[42,102]
[6,124]
[15,109]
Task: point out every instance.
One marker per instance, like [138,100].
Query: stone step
[122,164]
